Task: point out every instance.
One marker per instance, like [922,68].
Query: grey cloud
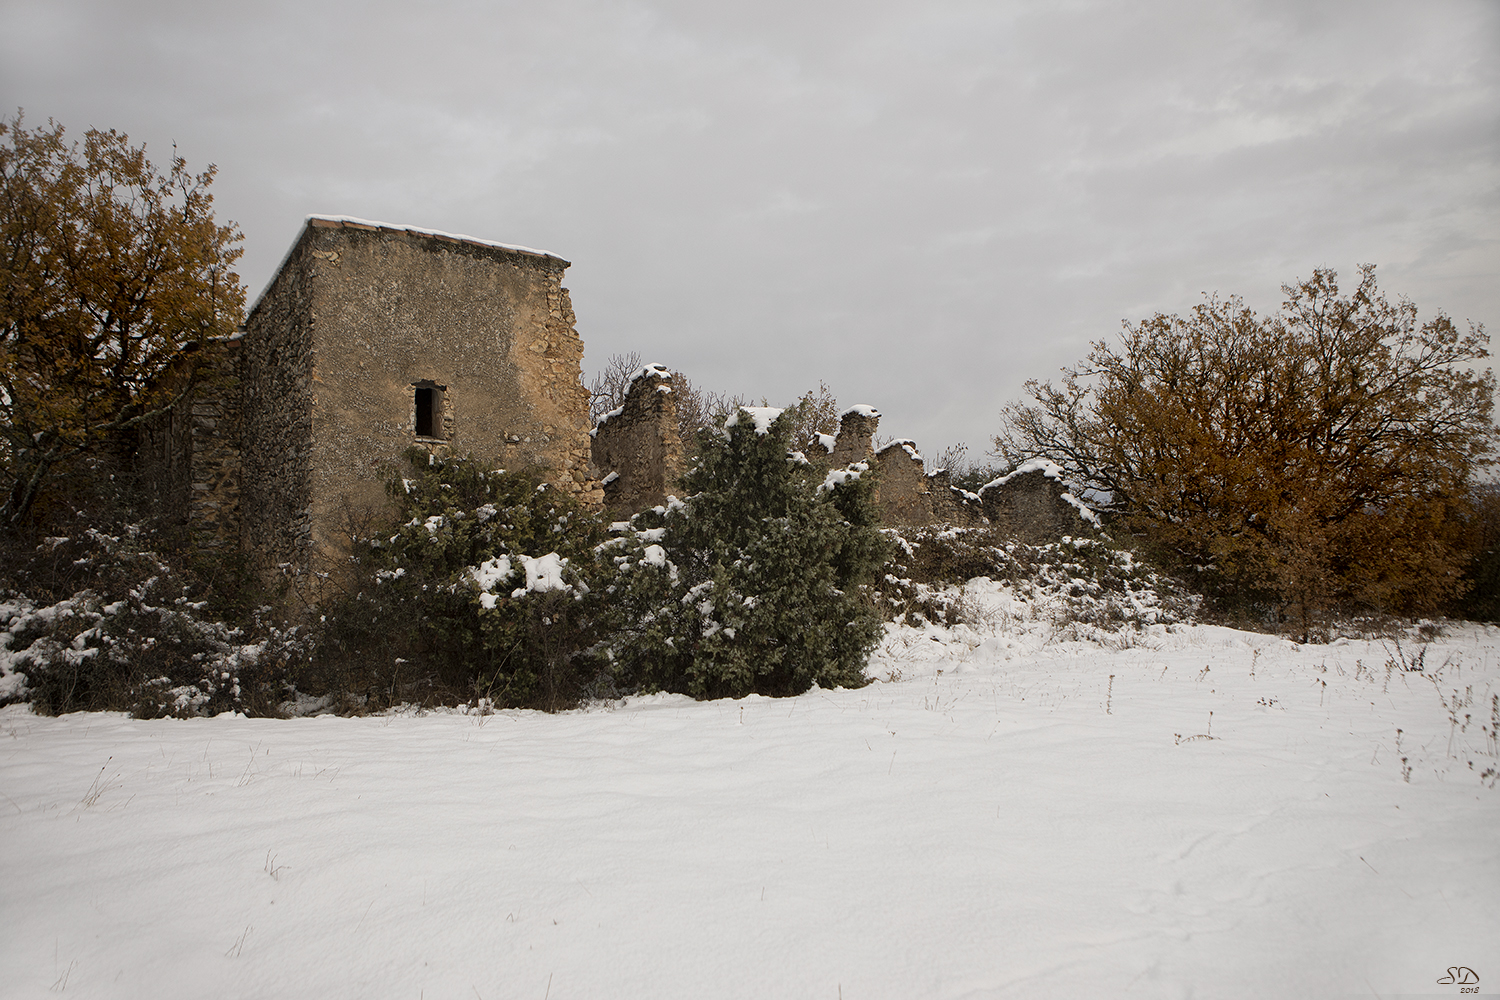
[923,204]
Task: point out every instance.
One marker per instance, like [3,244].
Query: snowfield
[1184,812]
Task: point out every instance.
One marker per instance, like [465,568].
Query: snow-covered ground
[1194,812]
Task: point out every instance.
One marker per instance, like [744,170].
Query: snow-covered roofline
[352,222]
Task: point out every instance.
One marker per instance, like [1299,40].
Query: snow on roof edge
[308,220]
[421,231]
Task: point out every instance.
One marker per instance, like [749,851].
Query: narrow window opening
[429,411]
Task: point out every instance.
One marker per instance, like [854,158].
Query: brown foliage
[1311,457]
[115,283]
[1481,534]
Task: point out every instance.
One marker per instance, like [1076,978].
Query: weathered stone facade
[369,340]
[638,448]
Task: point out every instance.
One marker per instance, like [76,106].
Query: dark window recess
[429,412]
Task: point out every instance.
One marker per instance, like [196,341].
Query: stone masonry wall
[951,505]
[217,464]
[275,368]
[857,426]
[1029,505]
[638,448]
[360,318]
[187,458]
[901,493]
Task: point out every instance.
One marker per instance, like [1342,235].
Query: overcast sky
[922,204]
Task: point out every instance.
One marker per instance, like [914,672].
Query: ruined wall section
[551,366]
[163,464]
[901,493]
[857,426]
[1033,505]
[217,475]
[187,458]
[275,371]
[951,505]
[638,447]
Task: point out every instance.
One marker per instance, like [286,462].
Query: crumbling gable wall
[1033,504]
[901,493]
[374,338]
[638,447]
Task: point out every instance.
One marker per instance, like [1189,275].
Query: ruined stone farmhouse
[370,339]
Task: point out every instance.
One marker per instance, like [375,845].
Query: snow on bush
[758,582]
[1083,586]
[136,641]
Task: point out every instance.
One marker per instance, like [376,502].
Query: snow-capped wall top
[862,409]
[907,445]
[1084,510]
[763,416]
[1045,466]
[650,371]
[349,220]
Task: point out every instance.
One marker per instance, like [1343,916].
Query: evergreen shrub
[480,592]
[759,582]
[138,634]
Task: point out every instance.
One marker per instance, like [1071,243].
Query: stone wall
[901,493]
[638,448]
[361,326]
[857,426]
[275,372]
[187,458]
[1032,504]
[217,463]
[951,505]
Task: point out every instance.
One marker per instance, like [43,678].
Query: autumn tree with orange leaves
[117,288]
[1319,456]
